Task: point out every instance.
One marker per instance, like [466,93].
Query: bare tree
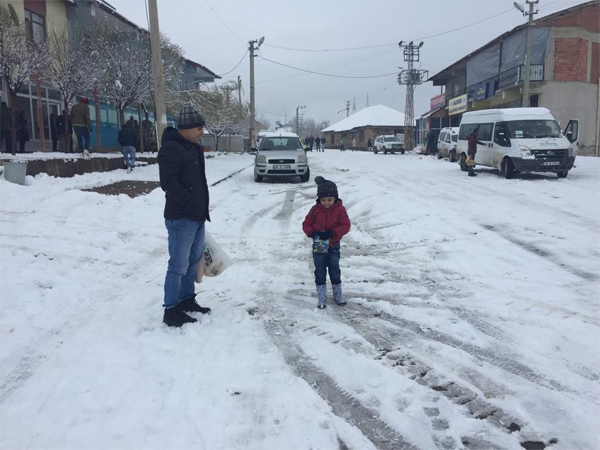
[72,70]
[19,59]
[222,114]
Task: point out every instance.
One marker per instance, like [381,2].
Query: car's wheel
[402,151]
[508,168]
[384,151]
[375,150]
[439,155]
[452,156]
[562,174]
[463,162]
[304,178]
[258,178]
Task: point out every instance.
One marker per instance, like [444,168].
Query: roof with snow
[375,116]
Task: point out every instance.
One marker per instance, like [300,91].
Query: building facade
[565,72]
[39,101]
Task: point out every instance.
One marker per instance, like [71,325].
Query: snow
[378,116]
[473,303]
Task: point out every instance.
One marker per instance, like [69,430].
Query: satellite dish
[261,40]
[13,14]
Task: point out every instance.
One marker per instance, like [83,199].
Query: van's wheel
[258,178]
[508,168]
[562,174]
[439,155]
[463,162]
[304,178]
[452,156]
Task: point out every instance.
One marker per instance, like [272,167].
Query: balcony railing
[514,76]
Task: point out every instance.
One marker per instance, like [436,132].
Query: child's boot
[337,294]
[322,294]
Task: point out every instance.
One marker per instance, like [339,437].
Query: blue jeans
[129,155]
[325,261]
[82,134]
[186,244]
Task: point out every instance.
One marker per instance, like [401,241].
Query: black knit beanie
[326,188]
[189,118]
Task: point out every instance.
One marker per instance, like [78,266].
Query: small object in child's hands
[319,245]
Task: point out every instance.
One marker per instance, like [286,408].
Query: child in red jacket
[326,223]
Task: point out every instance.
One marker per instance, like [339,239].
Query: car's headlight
[261,159]
[525,151]
[302,158]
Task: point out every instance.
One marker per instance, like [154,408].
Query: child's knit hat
[326,188]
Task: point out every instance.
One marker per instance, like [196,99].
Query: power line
[221,74]
[328,50]
[326,74]
[221,20]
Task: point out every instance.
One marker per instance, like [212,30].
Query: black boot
[191,305]
[175,317]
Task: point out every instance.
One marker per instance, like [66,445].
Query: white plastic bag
[214,259]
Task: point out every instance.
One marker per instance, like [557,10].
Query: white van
[447,143]
[519,140]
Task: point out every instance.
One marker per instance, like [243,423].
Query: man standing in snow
[472,151]
[183,178]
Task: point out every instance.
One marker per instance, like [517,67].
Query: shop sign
[457,105]
[437,102]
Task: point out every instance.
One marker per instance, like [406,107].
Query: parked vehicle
[280,154]
[519,140]
[447,142]
[388,143]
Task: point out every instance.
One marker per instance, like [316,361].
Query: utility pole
[527,75]
[347,108]
[239,89]
[411,77]
[251,49]
[298,108]
[159,84]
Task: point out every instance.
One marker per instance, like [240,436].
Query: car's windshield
[390,139]
[280,143]
[533,129]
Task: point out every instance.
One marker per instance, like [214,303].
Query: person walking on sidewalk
[181,167]
[127,139]
[80,118]
[326,223]
[472,151]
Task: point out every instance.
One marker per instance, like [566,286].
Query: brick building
[565,71]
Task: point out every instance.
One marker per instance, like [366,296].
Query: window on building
[35,27]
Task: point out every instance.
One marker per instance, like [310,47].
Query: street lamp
[527,74]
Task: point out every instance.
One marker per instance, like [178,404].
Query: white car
[388,143]
[280,154]
[447,142]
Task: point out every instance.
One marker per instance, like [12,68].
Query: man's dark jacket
[127,137]
[183,178]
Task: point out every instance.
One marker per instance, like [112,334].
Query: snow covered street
[473,316]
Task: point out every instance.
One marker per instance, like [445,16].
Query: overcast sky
[215,33]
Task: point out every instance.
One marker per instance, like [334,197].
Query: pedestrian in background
[354,143]
[80,119]
[126,138]
[65,141]
[369,145]
[318,144]
[472,151]
[182,174]
[53,132]
[6,127]
[22,131]
[326,223]
[323,143]
[343,144]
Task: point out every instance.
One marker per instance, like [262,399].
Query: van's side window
[466,130]
[442,136]
[501,134]
[485,131]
